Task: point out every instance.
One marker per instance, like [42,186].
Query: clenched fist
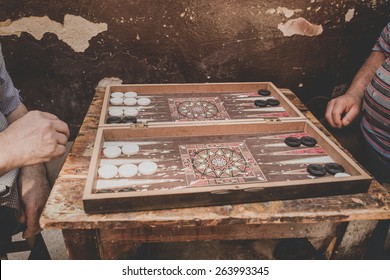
[36,137]
[342,110]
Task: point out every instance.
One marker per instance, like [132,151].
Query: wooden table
[339,226]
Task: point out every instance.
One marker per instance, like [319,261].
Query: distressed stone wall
[57,51]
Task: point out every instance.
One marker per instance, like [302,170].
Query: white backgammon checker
[128,170]
[143,101]
[117,94]
[116,101]
[130,149]
[341,175]
[130,101]
[130,94]
[147,168]
[107,171]
[112,152]
[115,112]
[131,112]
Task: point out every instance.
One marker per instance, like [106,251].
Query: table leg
[322,245]
[118,250]
[81,244]
[353,242]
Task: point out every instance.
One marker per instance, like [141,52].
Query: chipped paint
[349,15]
[271,11]
[103,83]
[283,11]
[300,26]
[76,31]
[374,4]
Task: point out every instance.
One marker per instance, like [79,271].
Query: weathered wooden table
[339,226]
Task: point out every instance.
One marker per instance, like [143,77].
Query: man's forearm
[365,74]
[6,161]
[33,193]
[16,114]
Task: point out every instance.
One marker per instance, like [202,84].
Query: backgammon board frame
[221,194]
[185,90]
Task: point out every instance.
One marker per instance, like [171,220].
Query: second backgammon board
[206,163]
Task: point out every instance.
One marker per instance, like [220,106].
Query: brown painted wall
[163,41]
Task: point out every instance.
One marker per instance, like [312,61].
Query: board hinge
[140,125]
[272,120]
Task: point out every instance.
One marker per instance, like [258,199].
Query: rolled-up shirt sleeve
[9,95]
[383,42]
[9,101]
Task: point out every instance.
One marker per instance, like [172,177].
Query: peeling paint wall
[58,52]
[300,26]
[75,32]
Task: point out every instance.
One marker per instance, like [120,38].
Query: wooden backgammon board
[190,145]
[178,104]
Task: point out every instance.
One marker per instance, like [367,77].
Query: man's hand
[350,103]
[33,191]
[36,137]
[342,110]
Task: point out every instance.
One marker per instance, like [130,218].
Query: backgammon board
[177,104]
